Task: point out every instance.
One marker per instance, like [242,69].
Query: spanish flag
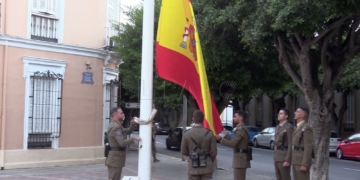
[179,57]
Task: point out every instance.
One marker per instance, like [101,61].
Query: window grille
[45,102]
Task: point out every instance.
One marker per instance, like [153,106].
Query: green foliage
[351,77]
[228,59]
[129,47]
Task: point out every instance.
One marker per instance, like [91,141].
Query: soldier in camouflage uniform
[154,143]
[302,141]
[117,139]
[283,146]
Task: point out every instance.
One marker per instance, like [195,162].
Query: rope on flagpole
[148,121]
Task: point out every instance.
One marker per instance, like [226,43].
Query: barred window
[44,109]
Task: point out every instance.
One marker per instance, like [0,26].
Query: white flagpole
[144,163]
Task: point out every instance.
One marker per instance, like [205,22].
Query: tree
[234,72]
[309,35]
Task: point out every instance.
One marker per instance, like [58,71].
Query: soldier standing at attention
[302,142]
[282,152]
[200,145]
[153,139]
[118,142]
[240,144]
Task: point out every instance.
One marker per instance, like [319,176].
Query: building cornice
[57,48]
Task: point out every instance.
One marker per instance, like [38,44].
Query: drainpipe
[4,83]
[3,111]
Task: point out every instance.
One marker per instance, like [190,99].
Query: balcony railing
[44,28]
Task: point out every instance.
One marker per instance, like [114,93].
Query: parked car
[253,131]
[349,147]
[175,137]
[265,138]
[162,128]
[334,142]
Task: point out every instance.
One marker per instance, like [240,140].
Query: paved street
[171,167]
[263,158]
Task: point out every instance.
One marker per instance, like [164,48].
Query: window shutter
[51,6]
[34,5]
[43,5]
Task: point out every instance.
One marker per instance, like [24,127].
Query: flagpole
[147,58]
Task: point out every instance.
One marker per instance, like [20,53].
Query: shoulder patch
[303,129]
[119,132]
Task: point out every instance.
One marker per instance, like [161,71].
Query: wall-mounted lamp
[88,65]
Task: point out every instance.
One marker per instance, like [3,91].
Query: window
[107,107]
[112,18]
[355,137]
[45,109]
[109,94]
[271,130]
[333,135]
[45,20]
[350,115]
[44,7]
[266,130]
[43,102]
[253,129]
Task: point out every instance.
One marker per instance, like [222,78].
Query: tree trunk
[320,119]
[274,110]
[277,104]
[342,111]
[222,104]
[245,102]
[236,104]
[335,119]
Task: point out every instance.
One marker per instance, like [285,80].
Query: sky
[128,3]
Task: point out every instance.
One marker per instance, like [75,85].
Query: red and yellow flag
[179,57]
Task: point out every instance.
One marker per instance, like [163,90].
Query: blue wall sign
[87,78]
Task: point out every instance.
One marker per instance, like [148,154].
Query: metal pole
[226,116]
[184,118]
[144,164]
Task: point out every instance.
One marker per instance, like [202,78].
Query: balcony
[44,28]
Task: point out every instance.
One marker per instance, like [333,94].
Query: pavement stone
[169,168]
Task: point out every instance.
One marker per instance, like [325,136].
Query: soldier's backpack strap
[246,133]
[249,149]
[198,144]
[301,136]
[107,144]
